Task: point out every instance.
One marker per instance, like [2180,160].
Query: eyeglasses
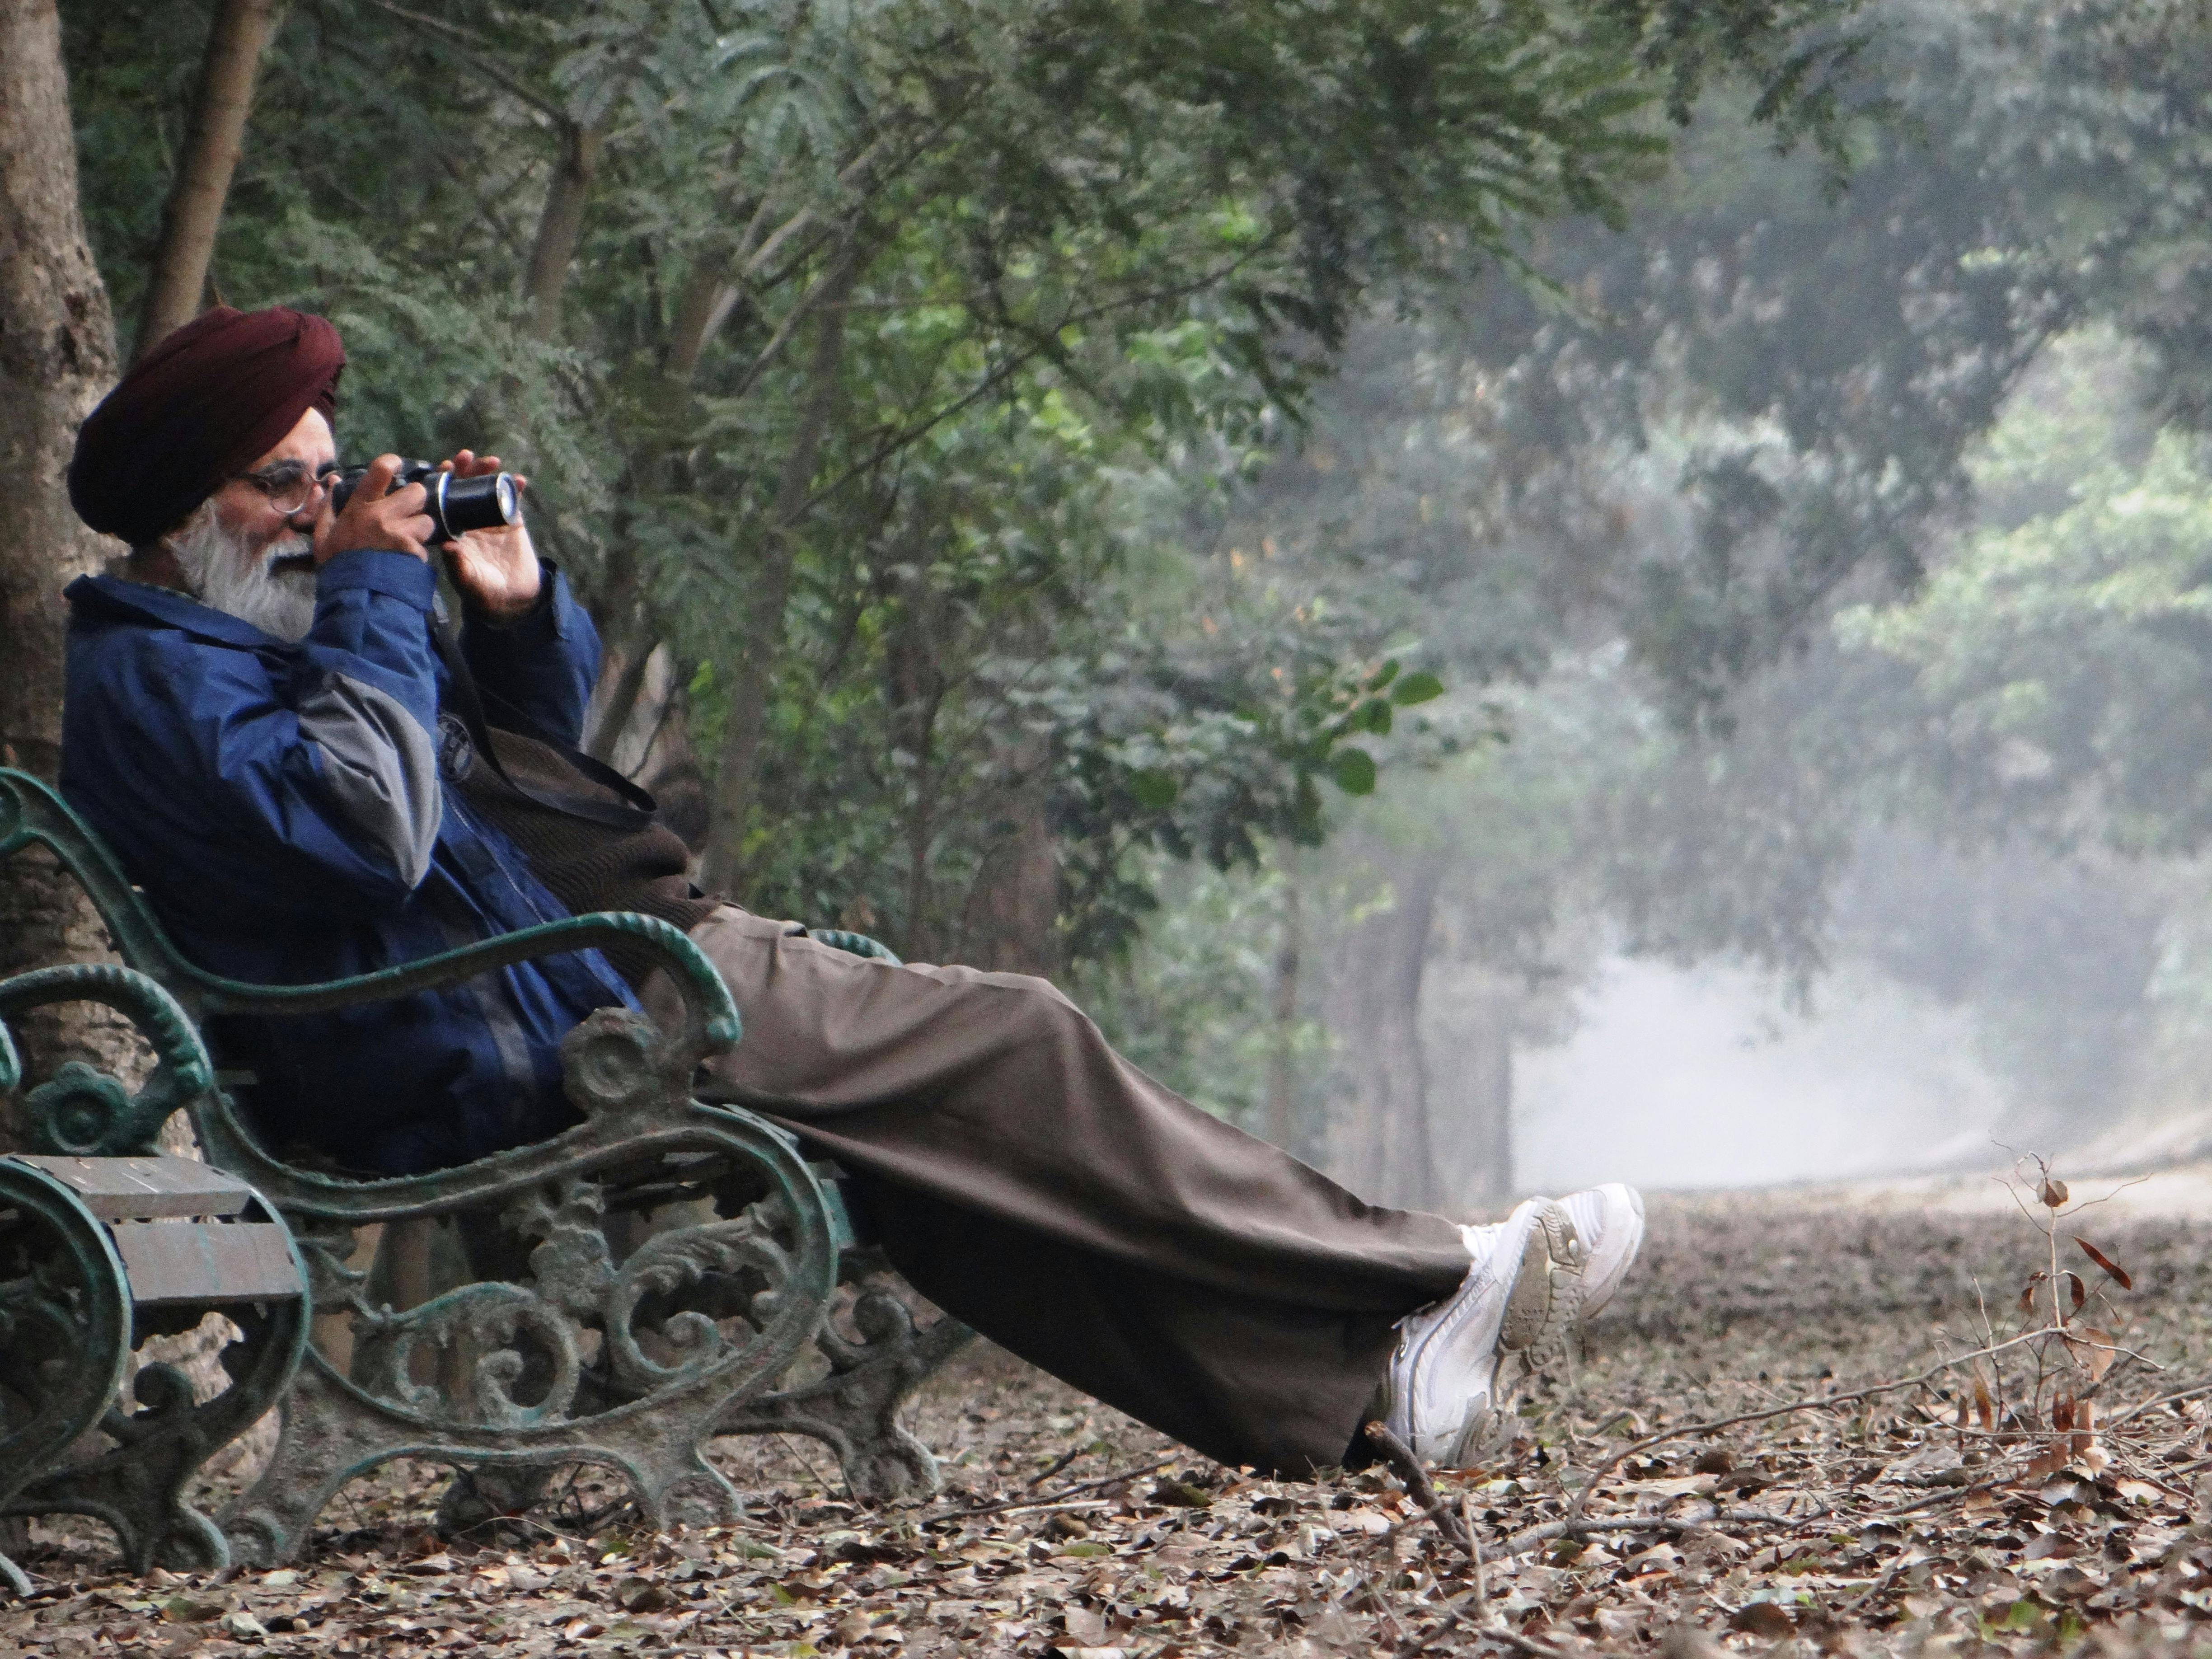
[288,485]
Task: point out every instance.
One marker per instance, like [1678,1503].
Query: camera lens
[465,504]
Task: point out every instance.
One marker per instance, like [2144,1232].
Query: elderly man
[267,721]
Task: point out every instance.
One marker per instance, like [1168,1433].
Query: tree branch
[1818,1402]
[469,50]
[1400,1456]
[560,225]
[221,103]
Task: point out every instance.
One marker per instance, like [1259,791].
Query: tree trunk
[1473,1017]
[1011,924]
[616,698]
[737,769]
[625,618]
[57,357]
[213,140]
[1282,1014]
[701,308]
[1488,1126]
[631,706]
[560,227]
[1385,1150]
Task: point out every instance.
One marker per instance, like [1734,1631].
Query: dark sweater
[585,865]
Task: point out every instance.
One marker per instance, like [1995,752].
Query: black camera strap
[635,809]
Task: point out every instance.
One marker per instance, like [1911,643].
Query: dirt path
[2182,1192]
[1870,1525]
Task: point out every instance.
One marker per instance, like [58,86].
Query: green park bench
[668,1270]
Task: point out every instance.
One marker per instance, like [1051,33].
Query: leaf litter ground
[2050,1496]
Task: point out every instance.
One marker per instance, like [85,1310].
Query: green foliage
[906,351]
[2064,660]
[1193,1003]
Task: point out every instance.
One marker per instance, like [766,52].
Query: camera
[456,505]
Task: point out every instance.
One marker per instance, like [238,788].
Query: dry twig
[1400,1456]
[1050,1499]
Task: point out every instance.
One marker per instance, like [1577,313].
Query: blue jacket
[282,805]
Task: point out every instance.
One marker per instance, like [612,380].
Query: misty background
[1744,865]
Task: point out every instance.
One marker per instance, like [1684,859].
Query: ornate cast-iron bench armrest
[559,1352]
[97,1255]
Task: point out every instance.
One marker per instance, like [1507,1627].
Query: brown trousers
[1032,1182]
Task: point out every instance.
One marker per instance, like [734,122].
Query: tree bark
[57,357]
[214,139]
[705,304]
[737,769]
[624,619]
[1011,924]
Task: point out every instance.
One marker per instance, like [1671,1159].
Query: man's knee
[1033,1012]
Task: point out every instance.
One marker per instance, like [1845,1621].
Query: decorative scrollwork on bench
[96,1255]
[563,1349]
[64,1331]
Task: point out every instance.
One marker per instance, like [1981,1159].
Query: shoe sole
[1632,1223]
[1547,1291]
[1541,1313]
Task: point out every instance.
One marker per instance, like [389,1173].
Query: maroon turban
[207,401]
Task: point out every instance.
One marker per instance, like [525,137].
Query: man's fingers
[395,522]
[401,514]
[467,464]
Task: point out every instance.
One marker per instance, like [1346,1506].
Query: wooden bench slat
[133,1189]
[210,1261]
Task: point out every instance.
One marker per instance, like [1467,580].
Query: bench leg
[65,1331]
[854,1407]
[569,1357]
[139,1487]
[330,1435]
[64,1334]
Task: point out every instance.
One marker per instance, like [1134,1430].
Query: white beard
[220,573]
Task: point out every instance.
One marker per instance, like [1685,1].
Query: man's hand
[497,570]
[393,524]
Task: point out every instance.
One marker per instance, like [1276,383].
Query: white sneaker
[1609,1222]
[1513,1311]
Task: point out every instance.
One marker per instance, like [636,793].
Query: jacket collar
[116,599]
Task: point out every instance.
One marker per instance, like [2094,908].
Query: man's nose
[303,517]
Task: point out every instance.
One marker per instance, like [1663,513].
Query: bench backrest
[32,813]
[167,996]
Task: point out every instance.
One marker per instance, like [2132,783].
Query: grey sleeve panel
[383,767]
